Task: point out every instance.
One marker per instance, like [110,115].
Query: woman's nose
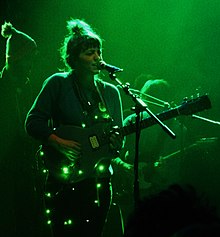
[97,56]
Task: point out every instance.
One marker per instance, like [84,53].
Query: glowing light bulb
[156,164]
[48,194]
[48,211]
[101,167]
[49,222]
[80,172]
[65,170]
[98,185]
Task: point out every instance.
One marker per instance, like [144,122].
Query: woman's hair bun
[78,27]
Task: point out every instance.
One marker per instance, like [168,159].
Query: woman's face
[88,60]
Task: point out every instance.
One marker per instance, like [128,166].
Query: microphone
[110,68]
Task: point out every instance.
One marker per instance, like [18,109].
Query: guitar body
[95,142]
[95,149]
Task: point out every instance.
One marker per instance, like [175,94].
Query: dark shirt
[58,104]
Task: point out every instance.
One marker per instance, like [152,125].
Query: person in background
[177,210]
[154,143]
[138,86]
[21,50]
[71,116]
[16,168]
[20,53]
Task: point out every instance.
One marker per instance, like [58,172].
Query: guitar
[95,142]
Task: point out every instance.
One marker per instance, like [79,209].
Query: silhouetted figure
[17,197]
[172,211]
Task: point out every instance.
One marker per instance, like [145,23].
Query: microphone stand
[140,106]
[205,119]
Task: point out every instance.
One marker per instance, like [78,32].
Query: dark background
[172,39]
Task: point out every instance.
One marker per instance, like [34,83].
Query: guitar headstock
[191,106]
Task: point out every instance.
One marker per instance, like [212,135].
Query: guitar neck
[186,108]
[150,121]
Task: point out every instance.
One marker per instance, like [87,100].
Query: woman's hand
[69,148]
[116,139]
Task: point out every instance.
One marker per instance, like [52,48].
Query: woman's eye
[93,52]
[90,52]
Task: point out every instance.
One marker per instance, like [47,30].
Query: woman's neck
[85,80]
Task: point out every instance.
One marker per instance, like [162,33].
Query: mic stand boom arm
[140,106]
